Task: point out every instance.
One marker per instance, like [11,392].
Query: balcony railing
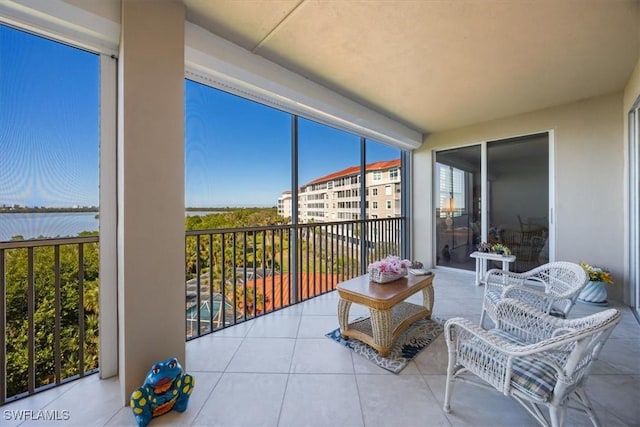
[49,324]
[237,274]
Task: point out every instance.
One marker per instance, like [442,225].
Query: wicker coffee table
[390,314]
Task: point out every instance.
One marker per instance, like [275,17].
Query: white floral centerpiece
[389,269]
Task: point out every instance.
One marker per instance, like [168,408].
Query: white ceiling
[436,64]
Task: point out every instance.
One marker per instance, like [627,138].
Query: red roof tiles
[354,170]
[278,293]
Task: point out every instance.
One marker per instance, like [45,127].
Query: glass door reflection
[457,206]
[518,198]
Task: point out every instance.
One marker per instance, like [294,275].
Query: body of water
[201,213]
[54,224]
[46,224]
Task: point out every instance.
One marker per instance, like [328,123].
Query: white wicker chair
[552,288]
[537,359]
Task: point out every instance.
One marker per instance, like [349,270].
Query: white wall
[589,179]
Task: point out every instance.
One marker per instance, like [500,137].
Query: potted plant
[595,292]
[501,249]
[484,247]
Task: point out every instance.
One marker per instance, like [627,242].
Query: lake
[54,224]
[47,224]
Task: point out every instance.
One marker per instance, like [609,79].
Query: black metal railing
[49,324]
[236,274]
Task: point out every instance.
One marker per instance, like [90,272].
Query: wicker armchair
[552,288]
[537,359]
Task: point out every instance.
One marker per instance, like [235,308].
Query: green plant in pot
[597,274]
[501,249]
[595,291]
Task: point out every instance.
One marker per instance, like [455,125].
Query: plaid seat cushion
[494,296]
[529,374]
[557,312]
[533,377]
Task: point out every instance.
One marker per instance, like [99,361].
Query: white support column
[151,309]
[108,220]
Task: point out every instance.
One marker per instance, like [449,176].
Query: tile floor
[280,370]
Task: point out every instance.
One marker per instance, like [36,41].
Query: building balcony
[272,365]
[280,370]
[52,328]
[264,359]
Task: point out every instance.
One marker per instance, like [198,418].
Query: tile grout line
[286,385]
[206,400]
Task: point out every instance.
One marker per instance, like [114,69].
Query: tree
[44,313]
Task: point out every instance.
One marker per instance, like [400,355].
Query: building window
[387,190]
[388,204]
[452,189]
[374,205]
[382,159]
[393,174]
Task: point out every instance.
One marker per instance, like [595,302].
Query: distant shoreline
[48,210]
[96,209]
[227,208]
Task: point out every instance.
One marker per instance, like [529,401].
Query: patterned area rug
[412,341]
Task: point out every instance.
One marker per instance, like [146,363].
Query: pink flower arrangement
[391,264]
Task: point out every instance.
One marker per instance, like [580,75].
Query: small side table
[390,313]
[481,263]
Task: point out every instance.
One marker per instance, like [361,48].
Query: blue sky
[237,152]
[48,122]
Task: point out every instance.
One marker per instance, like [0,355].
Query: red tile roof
[387,164]
[354,170]
[277,288]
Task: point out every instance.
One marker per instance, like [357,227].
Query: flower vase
[595,293]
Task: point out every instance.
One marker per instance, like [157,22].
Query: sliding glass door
[457,206]
[507,202]
[518,198]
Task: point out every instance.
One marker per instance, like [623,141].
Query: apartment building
[337,196]
[284,204]
[383,189]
